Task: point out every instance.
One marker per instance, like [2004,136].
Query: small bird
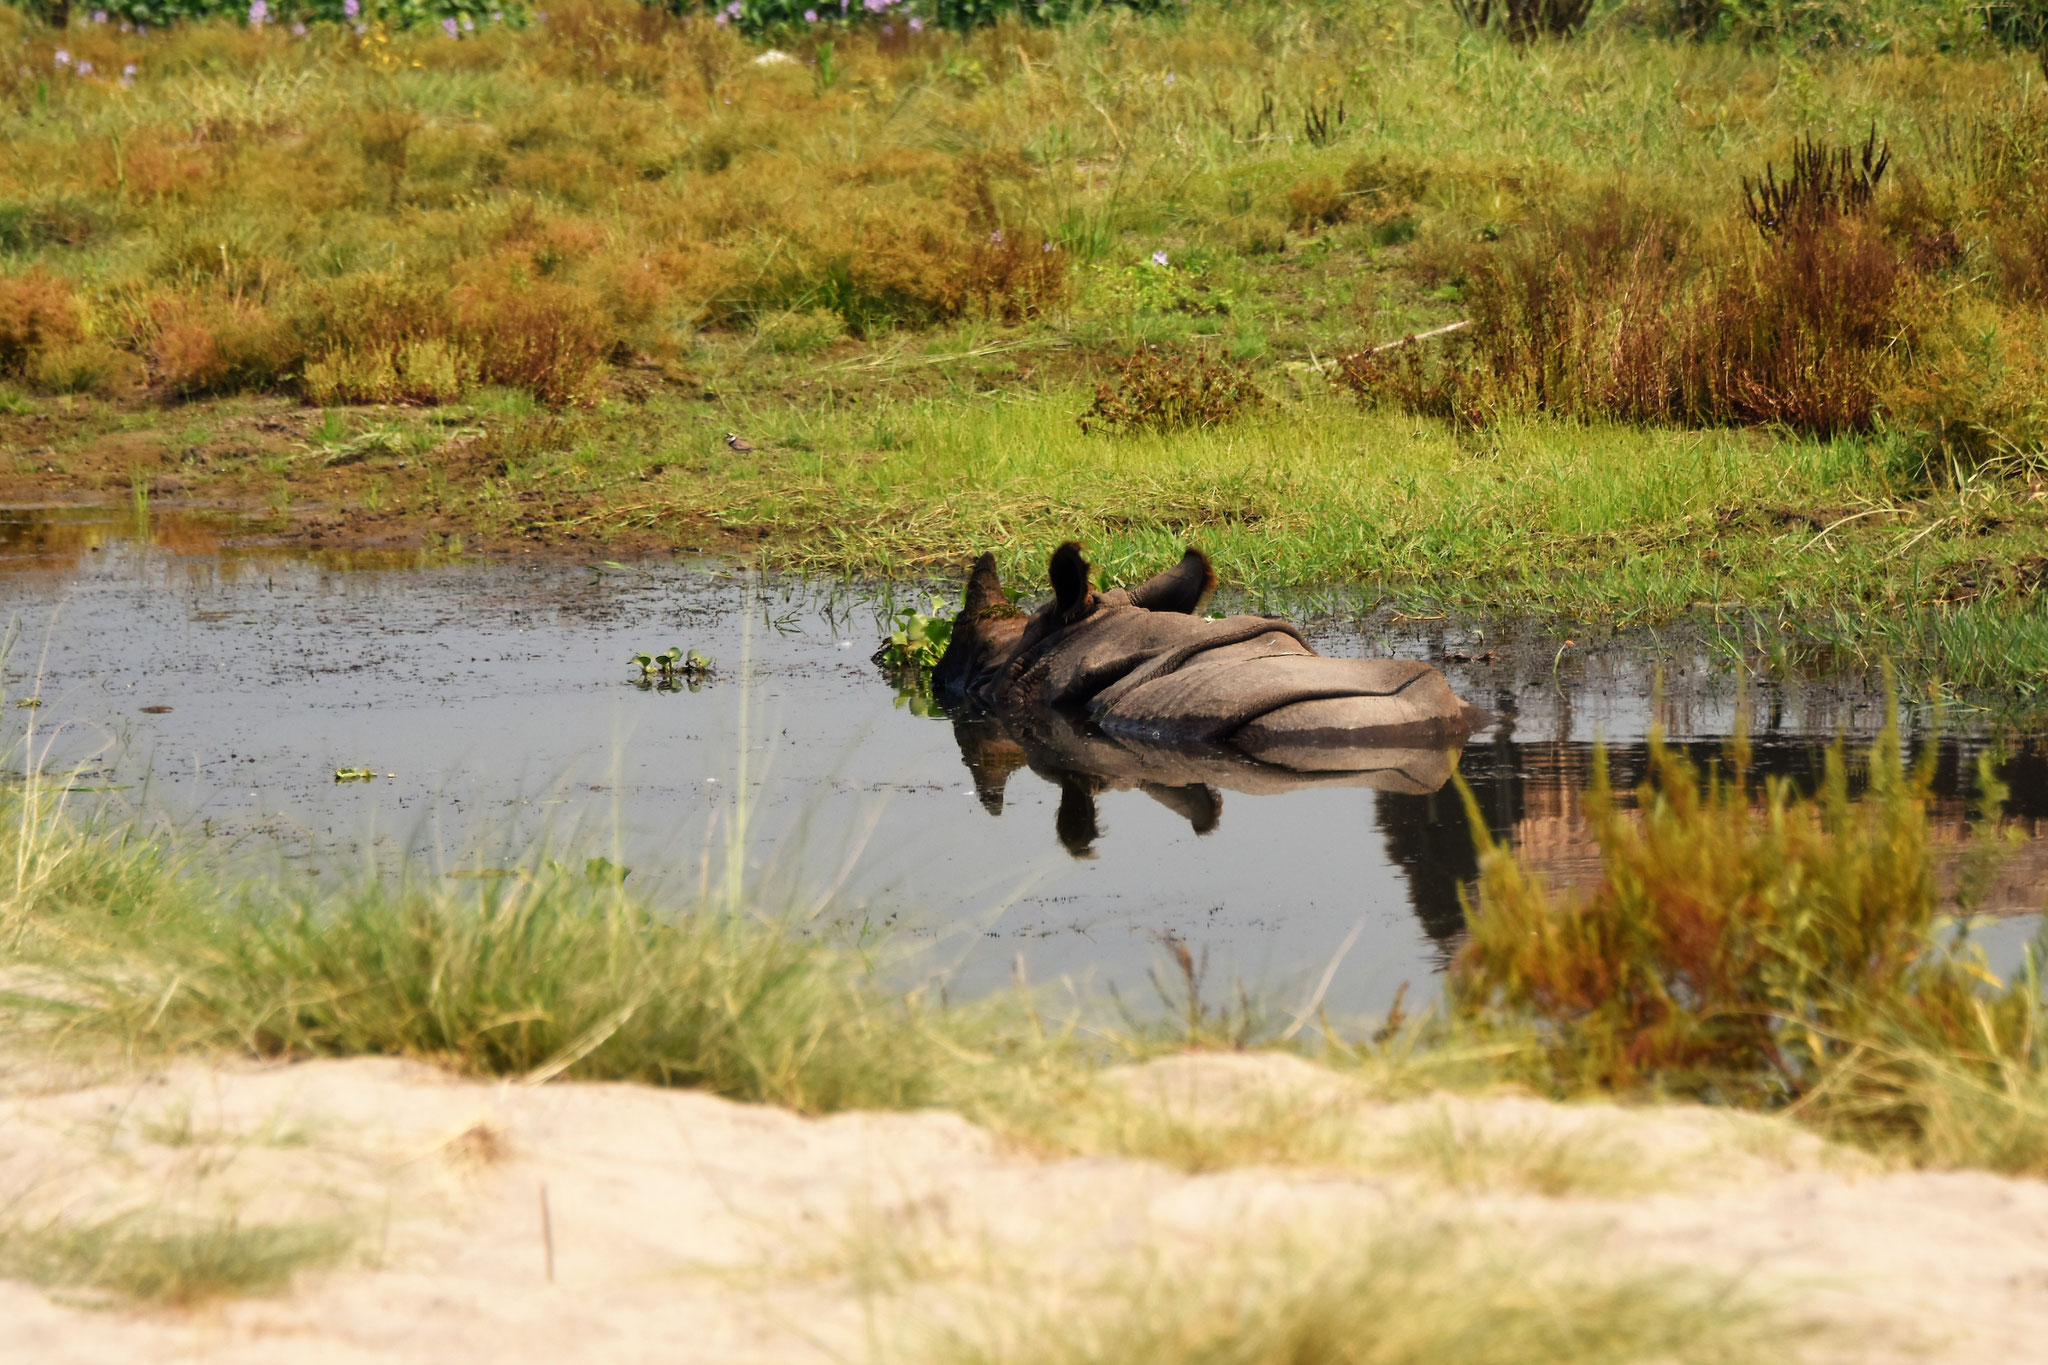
[740,444]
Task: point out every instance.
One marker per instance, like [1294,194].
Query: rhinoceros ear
[985,598]
[1069,580]
[1181,588]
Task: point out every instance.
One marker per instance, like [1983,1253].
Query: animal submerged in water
[1139,666]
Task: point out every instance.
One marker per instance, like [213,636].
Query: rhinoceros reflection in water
[1129,688]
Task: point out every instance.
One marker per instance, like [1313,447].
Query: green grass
[159,1260]
[537,974]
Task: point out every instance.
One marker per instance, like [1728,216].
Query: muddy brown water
[190,672]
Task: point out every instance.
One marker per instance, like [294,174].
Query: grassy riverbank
[1743,945]
[511,289]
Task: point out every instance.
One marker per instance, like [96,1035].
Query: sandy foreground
[688,1228]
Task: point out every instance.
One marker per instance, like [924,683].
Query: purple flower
[996,238]
[351,8]
[85,68]
[61,57]
[99,16]
[298,29]
[448,27]
[468,24]
[810,16]
[497,16]
[361,29]
[874,6]
[1045,246]
[735,9]
[258,12]
[1169,78]
[721,21]
[916,24]
[888,30]
[1159,257]
[128,72]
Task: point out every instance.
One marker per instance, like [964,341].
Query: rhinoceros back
[1252,683]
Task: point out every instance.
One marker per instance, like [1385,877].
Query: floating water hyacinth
[298,29]
[61,57]
[810,16]
[85,68]
[99,16]
[259,13]
[996,238]
[1159,258]
[468,24]
[448,27]
[916,24]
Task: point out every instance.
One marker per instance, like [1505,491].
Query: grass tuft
[145,1258]
[1398,1299]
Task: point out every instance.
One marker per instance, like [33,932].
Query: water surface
[220,684]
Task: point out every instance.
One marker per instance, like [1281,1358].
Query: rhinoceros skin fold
[1143,669]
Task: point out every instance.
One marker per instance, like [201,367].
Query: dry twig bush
[1161,390]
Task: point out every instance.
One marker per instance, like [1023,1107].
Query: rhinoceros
[1149,676]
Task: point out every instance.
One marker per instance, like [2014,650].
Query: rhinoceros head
[990,631]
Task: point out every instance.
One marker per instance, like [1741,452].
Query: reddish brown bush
[38,312]
[1015,275]
[218,344]
[543,336]
[1614,314]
